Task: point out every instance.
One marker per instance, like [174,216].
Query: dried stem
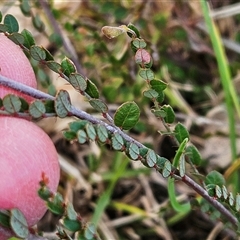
[83,115]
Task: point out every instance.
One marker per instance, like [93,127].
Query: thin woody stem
[83,115]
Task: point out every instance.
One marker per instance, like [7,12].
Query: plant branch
[85,116]
[187,180]
[66,42]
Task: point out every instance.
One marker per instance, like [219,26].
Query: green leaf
[12,103]
[78,82]
[218,191]
[159,113]
[54,66]
[99,105]
[71,213]
[161,162]
[77,125]
[225,192]
[56,205]
[117,141]
[142,57]
[3,28]
[0,16]
[17,38]
[62,104]
[237,202]
[44,193]
[49,56]
[69,135]
[18,223]
[127,115]
[82,136]
[90,130]
[38,53]
[90,231]
[49,106]
[133,28]
[231,199]
[151,93]
[67,66]
[139,43]
[170,115]
[102,133]
[193,155]
[25,8]
[167,169]
[72,225]
[11,22]
[215,178]
[4,218]
[158,85]
[37,23]
[28,38]
[181,132]
[37,109]
[151,158]
[147,74]
[133,151]
[91,89]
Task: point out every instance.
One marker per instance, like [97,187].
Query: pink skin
[15,65]
[26,151]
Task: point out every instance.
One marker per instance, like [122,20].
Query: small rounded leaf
[133,151]
[117,142]
[167,169]
[225,192]
[218,191]
[151,93]
[102,133]
[37,109]
[99,105]
[67,66]
[146,74]
[90,231]
[91,132]
[82,136]
[231,199]
[11,22]
[38,53]
[142,57]
[18,223]
[12,103]
[139,43]
[69,135]
[62,104]
[17,38]
[78,82]
[158,85]
[193,155]
[38,23]
[151,158]
[127,115]
[92,89]
[170,115]
[54,66]
[215,178]
[181,132]
[28,38]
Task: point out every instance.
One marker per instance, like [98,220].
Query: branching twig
[83,115]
